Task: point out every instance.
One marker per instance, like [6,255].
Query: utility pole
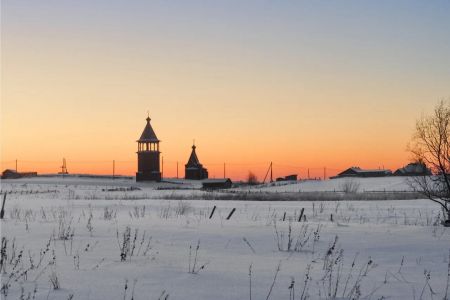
[267,173]
[271,172]
[324,173]
[177,169]
[114,168]
[16,165]
[308,173]
[224,170]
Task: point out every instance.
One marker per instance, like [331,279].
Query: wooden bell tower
[148,155]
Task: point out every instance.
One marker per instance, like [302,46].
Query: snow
[389,183]
[384,232]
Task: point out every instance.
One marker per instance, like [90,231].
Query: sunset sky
[305,84]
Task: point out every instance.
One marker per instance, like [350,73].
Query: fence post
[2,212]
[212,212]
[231,213]
[301,214]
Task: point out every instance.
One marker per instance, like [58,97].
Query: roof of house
[218,180]
[148,135]
[414,168]
[359,170]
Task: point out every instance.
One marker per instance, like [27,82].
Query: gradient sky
[302,84]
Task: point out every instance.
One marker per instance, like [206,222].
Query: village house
[292,177]
[13,174]
[358,172]
[214,184]
[413,169]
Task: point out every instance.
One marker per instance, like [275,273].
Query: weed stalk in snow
[194,269]
[446,297]
[250,280]
[274,280]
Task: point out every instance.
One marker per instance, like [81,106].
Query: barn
[214,184]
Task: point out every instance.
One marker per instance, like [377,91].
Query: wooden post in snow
[231,213]
[212,212]
[301,214]
[2,212]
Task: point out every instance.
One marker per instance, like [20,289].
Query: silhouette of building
[292,177]
[13,174]
[215,184]
[413,169]
[148,155]
[358,172]
[194,169]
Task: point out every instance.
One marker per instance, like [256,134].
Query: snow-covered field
[391,184]
[99,240]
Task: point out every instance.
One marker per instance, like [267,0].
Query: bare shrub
[182,208]
[290,241]
[89,225]
[54,280]
[335,282]
[109,213]
[138,212]
[65,229]
[350,186]
[194,267]
[3,256]
[132,245]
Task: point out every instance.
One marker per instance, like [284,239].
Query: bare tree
[252,179]
[431,146]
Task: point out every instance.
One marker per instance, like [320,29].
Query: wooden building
[358,172]
[413,169]
[12,174]
[194,169]
[148,155]
[214,184]
[292,177]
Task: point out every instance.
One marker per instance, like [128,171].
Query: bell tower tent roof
[148,135]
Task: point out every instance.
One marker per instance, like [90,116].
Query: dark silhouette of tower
[148,155]
[194,169]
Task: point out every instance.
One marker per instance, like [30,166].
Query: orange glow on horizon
[237,169]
